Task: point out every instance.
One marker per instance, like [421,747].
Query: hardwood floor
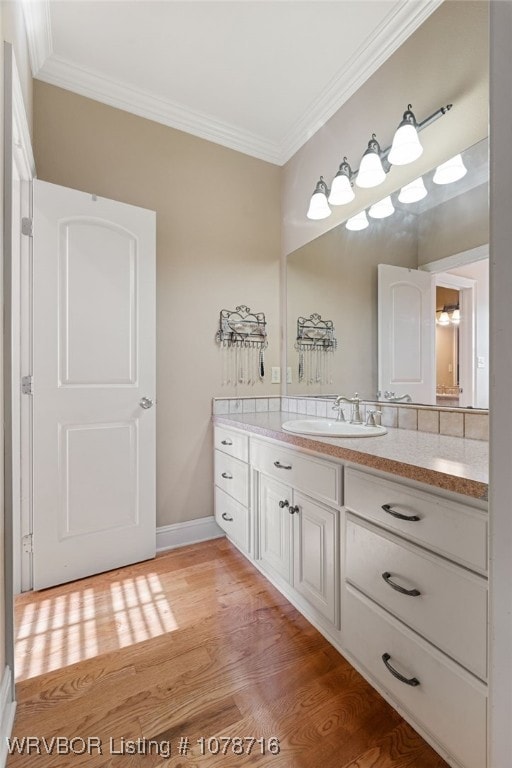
[195,644]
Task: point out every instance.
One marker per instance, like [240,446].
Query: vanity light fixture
[448,315]
[318,207]
[453,170]
[374,166]
[406,147]
[382,209]
[371,173]
[341,188]
[413,192]
[357,222]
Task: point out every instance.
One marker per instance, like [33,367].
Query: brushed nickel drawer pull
[226,442]
[227,517]
[407,680]
[294,510]
[411,592]
[390,511]
[227,476]
[284,503]
[282,466]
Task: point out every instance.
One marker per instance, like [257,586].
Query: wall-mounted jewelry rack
[242,336]
[315,344]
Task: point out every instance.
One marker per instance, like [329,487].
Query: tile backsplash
[458,422]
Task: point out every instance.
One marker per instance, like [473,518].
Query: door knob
[146,402]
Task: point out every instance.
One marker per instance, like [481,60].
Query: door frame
[467,288]
[20,406]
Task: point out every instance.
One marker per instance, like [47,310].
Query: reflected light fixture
[371,173]
[406,147]
[453,170]
[341,188]
[357,222]
[448,315]
[382,209]
[455,318]
[318,207]
[413,191]
[444,318]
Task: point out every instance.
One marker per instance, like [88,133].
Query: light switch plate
[276,375]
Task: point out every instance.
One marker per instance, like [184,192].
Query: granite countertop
[452,463]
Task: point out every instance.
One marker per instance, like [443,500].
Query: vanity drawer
[232,475]
[233,518]
[234,443]
[450,528]
[448,703]
[451,609]
[305,473]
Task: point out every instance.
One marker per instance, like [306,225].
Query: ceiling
[257,76]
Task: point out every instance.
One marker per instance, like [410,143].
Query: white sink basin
[328,428]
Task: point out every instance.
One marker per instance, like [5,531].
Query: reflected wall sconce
[413,192]
[448,315]
[453,170]
[375,164]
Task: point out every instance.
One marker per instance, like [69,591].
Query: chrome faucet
[355,412]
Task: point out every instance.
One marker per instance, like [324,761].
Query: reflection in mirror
[444,236]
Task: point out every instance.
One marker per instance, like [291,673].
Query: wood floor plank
[195,643]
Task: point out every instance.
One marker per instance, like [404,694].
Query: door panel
[406,333]
[93,361]
[275,527]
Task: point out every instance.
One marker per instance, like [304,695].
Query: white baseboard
[190,532]
[7,710]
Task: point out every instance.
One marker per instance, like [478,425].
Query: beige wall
[454,226]
[218,240]
[336,277]
[445,60]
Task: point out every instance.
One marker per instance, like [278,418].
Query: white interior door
[407,333]
[93,365]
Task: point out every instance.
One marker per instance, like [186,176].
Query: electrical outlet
[289,375]
[480,362]
[276,375]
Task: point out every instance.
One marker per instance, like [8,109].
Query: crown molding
[64,74]
[399,24]
[39,32]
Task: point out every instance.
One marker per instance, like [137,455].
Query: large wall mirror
[436,334]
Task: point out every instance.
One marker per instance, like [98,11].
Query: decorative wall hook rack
[315,344]
[242,336]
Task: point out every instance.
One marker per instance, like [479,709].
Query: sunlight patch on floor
[66,625]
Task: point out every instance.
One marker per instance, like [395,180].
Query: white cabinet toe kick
[392,574]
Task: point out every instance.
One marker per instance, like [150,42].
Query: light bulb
[413,192]
[357,222]
[453,170]
[318,207]
[371,173]
[341,188]
[444,318]
[406,145]
[382,209]
[455,318]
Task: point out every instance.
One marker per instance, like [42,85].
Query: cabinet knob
[284,503]
[294,510]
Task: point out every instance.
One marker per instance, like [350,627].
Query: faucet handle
[373,418]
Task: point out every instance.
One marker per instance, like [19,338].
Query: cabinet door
[275,527]
[315,555]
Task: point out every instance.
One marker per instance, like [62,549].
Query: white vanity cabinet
[415,606]
[232,485]
[297,510]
